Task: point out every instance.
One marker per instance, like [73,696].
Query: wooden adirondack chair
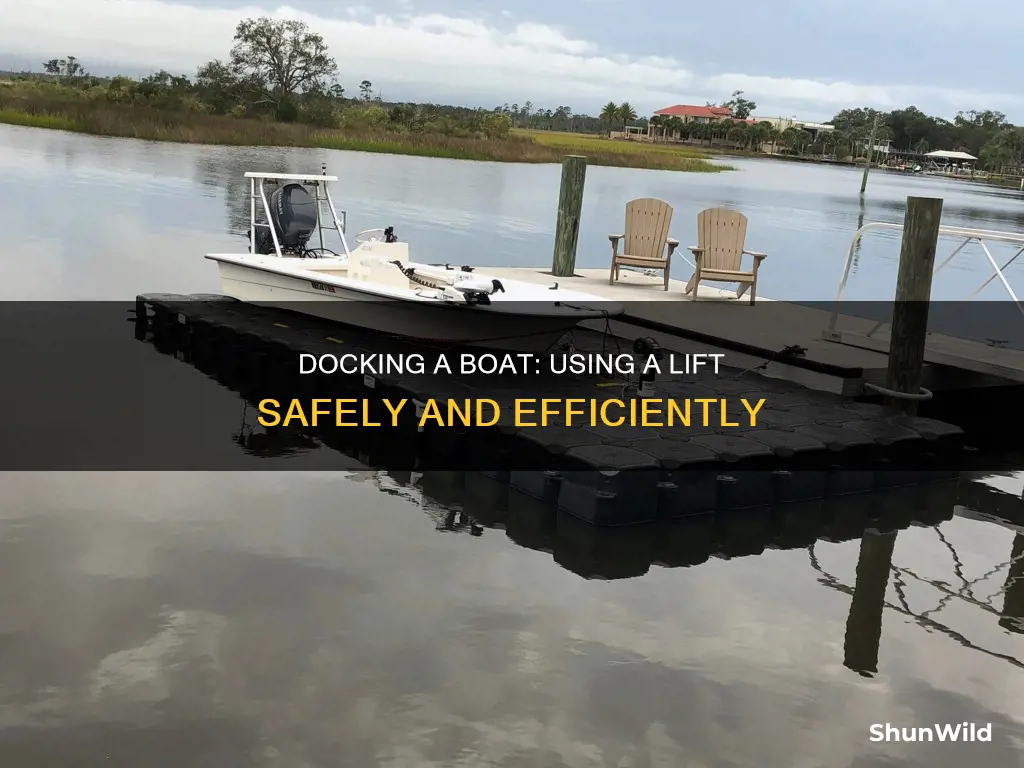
[721,234]
[645,238]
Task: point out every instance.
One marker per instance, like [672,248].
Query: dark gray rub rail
[807,445]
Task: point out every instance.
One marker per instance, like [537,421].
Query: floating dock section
[807,444]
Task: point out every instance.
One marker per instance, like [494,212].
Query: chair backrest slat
[647,225]
[722,233]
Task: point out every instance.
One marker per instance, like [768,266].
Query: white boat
[374,285]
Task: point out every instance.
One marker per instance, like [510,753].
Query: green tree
[794,139]
[762,132]
[973,129]
[609,112]
[68,68]
[678,128]
[496,125]
[1004,151]
[741,108]
[218,86]
[626,114]
[740,135]
[366,90]
[284,56]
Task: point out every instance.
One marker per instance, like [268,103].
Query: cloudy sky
[803,59]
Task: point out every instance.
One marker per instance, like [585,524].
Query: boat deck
[763,330]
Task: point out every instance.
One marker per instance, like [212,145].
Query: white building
[782,123]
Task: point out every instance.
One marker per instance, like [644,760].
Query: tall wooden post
[570,204]
[871,153]
[913,295]
[864,623]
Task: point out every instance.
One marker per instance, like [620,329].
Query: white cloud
[466,59]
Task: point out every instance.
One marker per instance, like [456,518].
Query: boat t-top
[374,285]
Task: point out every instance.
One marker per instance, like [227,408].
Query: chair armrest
[756,254]
[694,249]
[613,238]
[672,245]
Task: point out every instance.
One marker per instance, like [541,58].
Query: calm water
[360,618]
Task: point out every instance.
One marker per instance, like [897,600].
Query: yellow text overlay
[526,412]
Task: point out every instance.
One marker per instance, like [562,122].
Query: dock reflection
[477,504]
[480,503]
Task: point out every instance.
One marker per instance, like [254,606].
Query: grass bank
[102,118]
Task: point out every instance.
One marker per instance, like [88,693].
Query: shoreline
[149,124]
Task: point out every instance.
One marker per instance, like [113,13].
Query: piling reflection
[1013,591]
[476,504]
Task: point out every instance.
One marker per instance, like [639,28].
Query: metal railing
[321,196]
[968,236]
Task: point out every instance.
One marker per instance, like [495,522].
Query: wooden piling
[871,154]
[913,294]
[567,226]
[864,622]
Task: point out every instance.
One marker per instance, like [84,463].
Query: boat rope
[606,332]
[924,394]
[791,350]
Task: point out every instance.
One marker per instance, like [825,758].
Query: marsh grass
[102,118]
[583,142]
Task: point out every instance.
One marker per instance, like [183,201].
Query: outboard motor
[293,215]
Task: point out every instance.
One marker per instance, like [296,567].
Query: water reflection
[1013,602]
[472,502]
[130,195]
[304,618]
[262,619]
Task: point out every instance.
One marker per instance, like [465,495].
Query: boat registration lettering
[322,286]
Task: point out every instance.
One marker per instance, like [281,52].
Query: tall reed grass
[103,118]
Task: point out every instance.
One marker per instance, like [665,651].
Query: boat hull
[450,324]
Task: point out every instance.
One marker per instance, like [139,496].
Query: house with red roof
[689,113]
[693,114]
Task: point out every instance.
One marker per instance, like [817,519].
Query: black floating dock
[808,445]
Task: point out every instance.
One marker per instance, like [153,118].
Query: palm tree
[739,135]
[793,139]
[659,122]
[701,131]
[609,113]
[762,132]
[626,113]
[679,129]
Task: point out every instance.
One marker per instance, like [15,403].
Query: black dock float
[807,445]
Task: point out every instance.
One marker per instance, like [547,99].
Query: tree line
[986,134]
[279,70]
[282,70]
